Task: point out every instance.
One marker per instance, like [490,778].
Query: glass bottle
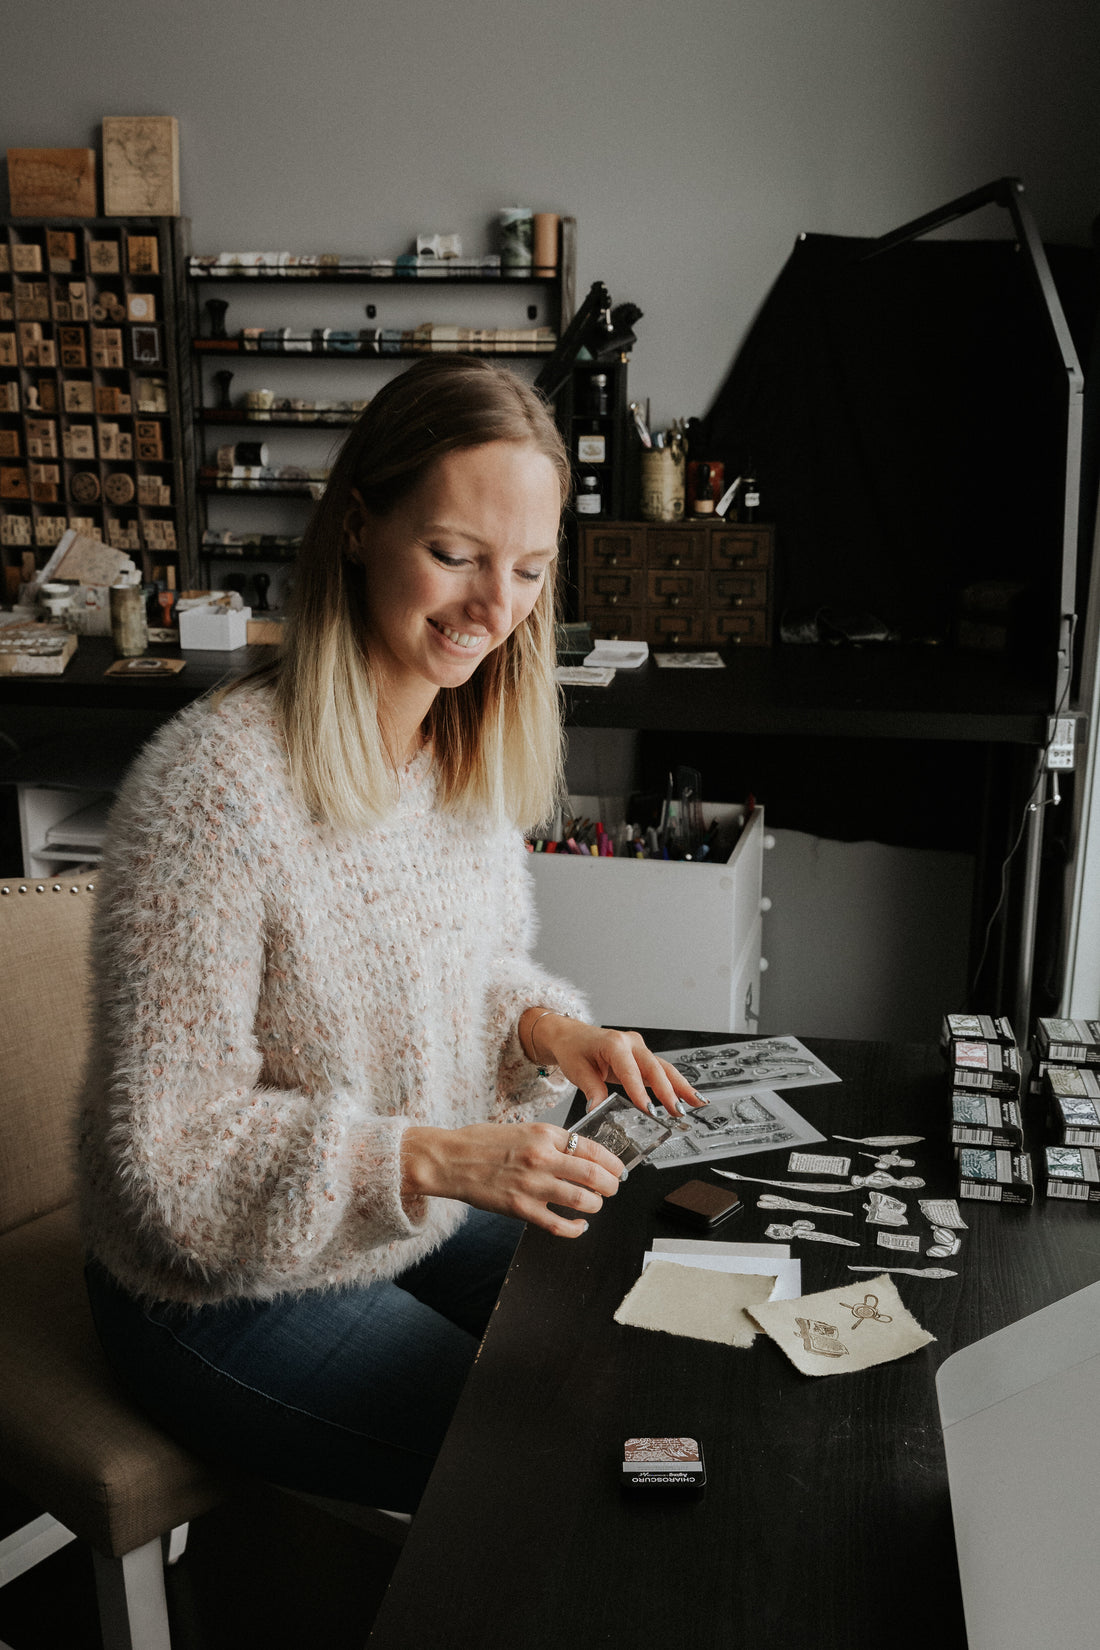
[589,497]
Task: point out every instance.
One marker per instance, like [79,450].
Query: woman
[309,1130]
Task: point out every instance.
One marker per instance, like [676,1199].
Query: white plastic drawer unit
[660,943]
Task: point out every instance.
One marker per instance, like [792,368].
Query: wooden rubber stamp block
[60,250]
[26,258]
[141,166]
[141,306]
[52,183]
[103,257]
[141,255]
[79,395]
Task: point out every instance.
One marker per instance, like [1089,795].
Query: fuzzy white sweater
[277,1001]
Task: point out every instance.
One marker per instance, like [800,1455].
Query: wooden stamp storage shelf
[95,423]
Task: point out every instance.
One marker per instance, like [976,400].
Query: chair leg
[29,1546]
[133,1609]
[176,1544]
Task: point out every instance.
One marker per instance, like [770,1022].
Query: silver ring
[572,1143]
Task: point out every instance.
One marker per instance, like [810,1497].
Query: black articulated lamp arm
[597,328]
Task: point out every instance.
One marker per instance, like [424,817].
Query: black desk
[826,1521]
[935,700]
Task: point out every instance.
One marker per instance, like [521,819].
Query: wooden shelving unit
[259,516]
[95,416]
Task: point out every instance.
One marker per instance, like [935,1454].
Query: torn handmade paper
[704,1305]
[860,1324]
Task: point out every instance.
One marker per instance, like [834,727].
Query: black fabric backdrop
[905,417]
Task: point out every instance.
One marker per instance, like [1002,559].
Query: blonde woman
[310,1127]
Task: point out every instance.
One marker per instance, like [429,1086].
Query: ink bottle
[589,497]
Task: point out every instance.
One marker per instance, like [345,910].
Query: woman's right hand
[511,1169]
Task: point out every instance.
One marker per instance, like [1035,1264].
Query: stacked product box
[1063,1043]
[987,1131]
[1071,1109]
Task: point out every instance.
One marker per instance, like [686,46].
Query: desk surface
[862,693]
[827,1518]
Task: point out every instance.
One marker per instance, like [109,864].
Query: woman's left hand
[592,1056]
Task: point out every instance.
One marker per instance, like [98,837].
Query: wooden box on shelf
[691,584]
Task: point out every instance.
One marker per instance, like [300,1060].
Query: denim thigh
[343,1392]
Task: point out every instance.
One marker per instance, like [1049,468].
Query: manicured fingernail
[584,1228]
[622,1177]
[681,1108]
[654,1109]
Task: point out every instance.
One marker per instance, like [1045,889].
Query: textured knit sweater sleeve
[518,984]
[277,1002]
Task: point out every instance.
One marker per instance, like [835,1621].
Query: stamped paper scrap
[704,1305]
[843,1329]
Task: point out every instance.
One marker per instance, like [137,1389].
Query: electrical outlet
[1061,743]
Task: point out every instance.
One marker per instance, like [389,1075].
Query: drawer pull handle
[676,561]
[614,561]
[614,599]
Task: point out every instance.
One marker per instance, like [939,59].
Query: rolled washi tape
[545,242]
[243,454]
[516,229]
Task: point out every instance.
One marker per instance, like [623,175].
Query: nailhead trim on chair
[40,888]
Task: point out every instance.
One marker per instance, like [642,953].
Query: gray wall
[692,142]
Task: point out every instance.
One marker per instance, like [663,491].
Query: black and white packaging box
[979,1119]
[1072,1095]
[987,1175]
[1068,1042]
[986,1066]
[1071,1173]
[970,1028]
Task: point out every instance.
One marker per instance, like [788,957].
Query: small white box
[201,628]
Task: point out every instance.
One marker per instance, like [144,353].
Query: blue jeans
[347,1392]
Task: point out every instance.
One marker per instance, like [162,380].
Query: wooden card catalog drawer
[749,589]
[613,547]
[675,627]
[674,587]
[618,624]
[701,584]
[747,546]
[743,626]
[617,586]
[676,547]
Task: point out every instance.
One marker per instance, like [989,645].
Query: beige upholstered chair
[69,1440]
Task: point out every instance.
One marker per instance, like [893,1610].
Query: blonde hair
[497,739]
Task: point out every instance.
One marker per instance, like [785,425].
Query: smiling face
[453,569]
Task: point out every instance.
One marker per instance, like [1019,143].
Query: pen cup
[662,486]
